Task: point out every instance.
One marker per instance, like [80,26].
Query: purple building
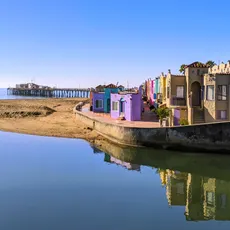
[98,102]
[127,104]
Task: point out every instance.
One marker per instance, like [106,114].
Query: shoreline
[51,117]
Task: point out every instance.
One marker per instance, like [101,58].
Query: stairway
[198,115]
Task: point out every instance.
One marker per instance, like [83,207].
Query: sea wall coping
[212,137]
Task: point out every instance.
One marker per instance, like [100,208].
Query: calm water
[3,95]
[50,183]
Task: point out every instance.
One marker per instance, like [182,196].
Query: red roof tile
[111,86]
[197,65]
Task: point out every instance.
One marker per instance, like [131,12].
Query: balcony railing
[178,101]
[159,98]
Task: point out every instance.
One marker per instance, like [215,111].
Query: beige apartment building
[204,198]
[200,95]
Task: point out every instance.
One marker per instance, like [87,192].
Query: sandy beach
[45,117]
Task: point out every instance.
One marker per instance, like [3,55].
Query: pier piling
[51,92]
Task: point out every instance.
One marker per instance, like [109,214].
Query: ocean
[3,95]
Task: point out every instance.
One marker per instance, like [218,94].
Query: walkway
[149,119]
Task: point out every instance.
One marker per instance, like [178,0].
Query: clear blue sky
[68,43]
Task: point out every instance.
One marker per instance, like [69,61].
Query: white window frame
[222,114]
[99,107]
[222,92]
[180,91]
[210,198]
[210,97]
[115,106]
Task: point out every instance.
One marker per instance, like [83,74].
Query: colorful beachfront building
[98,102]
[127,104]
[157,86]
[108,90]
[149,91]
[154,89]
[101,98]
[200,95]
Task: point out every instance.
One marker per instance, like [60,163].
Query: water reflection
[126,165]
[204,198]
[200,183]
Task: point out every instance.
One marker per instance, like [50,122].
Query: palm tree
[210,63]
[162,113]
[182,68]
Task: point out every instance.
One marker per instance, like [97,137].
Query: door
[108,105]
[176,120]
[122,107]
[196,93]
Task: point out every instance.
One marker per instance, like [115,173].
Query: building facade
[127,105]
[98,102]
[200,95]
[107,96]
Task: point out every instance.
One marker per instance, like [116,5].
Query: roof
[121,86]
[98,92]
[100,86]
[127,92]
[111,86]
[197,65]
[218,73]
[177,75]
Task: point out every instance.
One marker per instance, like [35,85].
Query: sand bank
[45,117]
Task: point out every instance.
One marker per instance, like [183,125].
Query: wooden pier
[50,92]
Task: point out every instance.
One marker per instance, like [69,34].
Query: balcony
[178,101]
[159,98]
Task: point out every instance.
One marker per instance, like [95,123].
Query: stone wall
[213,137]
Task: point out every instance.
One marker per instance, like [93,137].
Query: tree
[210,63]
[162,113]
[182,68]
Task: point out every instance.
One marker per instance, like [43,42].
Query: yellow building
[163,87]
[204,198]
[199,96]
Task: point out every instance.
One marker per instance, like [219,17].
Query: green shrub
[183,121]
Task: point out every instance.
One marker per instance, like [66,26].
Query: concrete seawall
[213,137]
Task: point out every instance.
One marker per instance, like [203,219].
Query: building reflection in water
[204,198]
[129,166]
[95,149]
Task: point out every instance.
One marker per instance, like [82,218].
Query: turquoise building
[107,98]
[111,88]
[157,83]
[156,86]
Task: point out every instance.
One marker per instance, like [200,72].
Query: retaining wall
[213,137]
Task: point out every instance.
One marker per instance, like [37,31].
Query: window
[180,91]
[202,93]
[167,92]
[115,105]
[210,198]
[222,114]
[99,104]
[222,92]
[210,92]
[198,72]
[223,201]
[180,188]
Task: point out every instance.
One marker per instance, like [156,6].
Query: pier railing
[51,92]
